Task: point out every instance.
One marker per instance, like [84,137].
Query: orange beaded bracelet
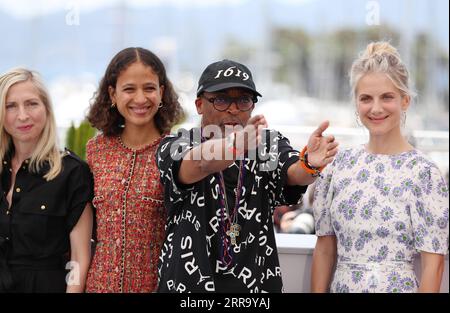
[314,171]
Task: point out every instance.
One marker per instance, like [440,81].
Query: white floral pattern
[383,210]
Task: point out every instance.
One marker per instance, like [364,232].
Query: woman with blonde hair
[45,194]
[381,203]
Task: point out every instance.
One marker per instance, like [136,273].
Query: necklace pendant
[233,233]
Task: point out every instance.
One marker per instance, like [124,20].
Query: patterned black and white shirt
[190,256]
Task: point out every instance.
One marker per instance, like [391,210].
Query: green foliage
[317,64]
[77,137]
[70,137]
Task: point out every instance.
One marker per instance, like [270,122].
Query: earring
[113,105]
[160,105]
[403,118]
[358,120]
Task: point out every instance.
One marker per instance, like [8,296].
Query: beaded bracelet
[314,171]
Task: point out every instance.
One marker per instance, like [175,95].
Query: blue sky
[38,37]
[314,15]
[27,8]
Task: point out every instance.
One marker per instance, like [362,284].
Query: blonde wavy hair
[47,146]
[381,57]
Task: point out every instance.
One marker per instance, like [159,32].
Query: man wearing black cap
[222,182]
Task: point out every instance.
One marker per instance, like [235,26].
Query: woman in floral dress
[134,107]
[379,204]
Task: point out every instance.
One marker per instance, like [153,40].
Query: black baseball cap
[226,74]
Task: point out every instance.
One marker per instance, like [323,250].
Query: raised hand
[250,136]
[321,150]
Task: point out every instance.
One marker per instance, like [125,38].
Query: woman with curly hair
[134,107]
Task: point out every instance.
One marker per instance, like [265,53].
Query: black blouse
[43,213]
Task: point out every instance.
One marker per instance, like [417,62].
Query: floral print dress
[383,210]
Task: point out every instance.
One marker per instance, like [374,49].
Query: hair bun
[380,50]
[381,57]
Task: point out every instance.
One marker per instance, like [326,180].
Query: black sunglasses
[223,102]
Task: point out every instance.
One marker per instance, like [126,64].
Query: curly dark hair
[109,120]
